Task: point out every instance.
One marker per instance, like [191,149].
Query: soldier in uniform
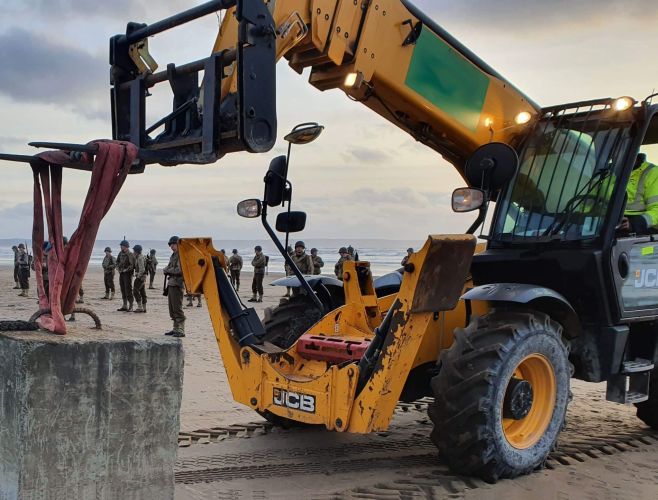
[406,257]
[225,257]
[139,285]
[338,268]
[16,280]
[259,262]
[126,268]
[23,270]
[287,269]
[318,263]
[151,266]
[303,260]
[235,266]
[109,265]
[190,299]
[174,289]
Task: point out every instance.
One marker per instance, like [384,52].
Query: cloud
[365,155]
[124,10]
[538,15]
[36,69]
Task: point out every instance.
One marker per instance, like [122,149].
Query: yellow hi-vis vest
[642,191]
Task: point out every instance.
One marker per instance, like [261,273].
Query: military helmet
[342,250]
[20,245]
[258,248]
[14,247]
[107,249]
[289,249]
[300,244]
[152,251]
[314,250]
[235,250]
[47,247]
[138,248]
[410,250]
[65,240]
[124,243]
[173,239]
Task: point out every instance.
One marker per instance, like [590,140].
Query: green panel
[446,79]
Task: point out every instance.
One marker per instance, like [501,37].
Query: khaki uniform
[24,270]
[139,288]
[259,262]
[404,260]
[151,267]
[304,263]
[109,265]
[175,287]
[318,264]
[235,266]
[16,268]
[126,268]
[338,268]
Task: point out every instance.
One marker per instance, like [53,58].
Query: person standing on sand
[338,268]
[139,285]
[174,290]
[259,262]
[16,268]
[406,257]
[126,268]
[318,263]
[23,270]
[235,266]
[109,265]
[151,266]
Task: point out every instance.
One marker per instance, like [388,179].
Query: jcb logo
[646,278]
[294,400]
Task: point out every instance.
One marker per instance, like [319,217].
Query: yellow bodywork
[423,317]
[339,37]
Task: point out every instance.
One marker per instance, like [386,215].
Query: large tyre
[647,411]
[501,394]
[285,323]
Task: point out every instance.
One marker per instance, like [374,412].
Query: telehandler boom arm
[386,54]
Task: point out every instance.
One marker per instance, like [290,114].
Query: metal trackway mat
[258,461]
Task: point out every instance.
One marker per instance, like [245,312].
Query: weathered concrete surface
[89,415]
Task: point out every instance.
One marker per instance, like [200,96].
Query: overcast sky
[362,178]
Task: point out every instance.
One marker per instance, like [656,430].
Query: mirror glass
[304,133]
[291,222]
[491,166]
[249,209]
[467,199]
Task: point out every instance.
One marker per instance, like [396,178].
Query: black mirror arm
[482,214]
[289,184]
[289,261]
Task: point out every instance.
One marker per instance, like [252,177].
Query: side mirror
[467,199]
[491,166]
[304,133]
[291,222]
[275,182]
[249,209]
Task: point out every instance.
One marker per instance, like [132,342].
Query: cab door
[635,273]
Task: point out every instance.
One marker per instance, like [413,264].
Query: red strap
[68,265]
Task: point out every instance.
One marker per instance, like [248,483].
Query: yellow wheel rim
[527,431]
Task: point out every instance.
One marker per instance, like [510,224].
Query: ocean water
[384,255]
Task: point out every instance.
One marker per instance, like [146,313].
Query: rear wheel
[647,411]
[287,322]
[501,394]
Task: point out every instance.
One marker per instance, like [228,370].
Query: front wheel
[501,394]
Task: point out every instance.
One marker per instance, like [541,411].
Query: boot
[23,293]
[253,299]
[106,296]
[80,301]
[139,308]
[111,295]
[190,302]
[199,303]
[130,307]
[124,307]
[144,307]
[16,287]
[260,298]
[72,317]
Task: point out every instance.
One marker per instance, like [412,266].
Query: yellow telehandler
[559,291]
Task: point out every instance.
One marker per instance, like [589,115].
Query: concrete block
[91,415]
